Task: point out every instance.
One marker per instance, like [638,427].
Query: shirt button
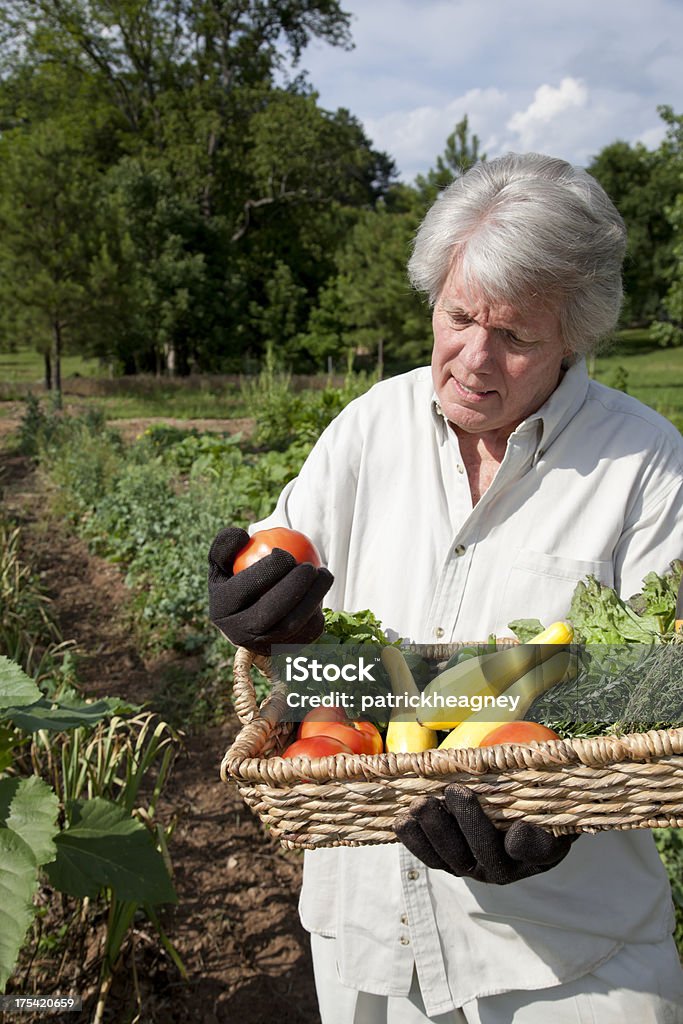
[460,468]
[438,631]
[459,550]
[404,919]
[413,874]
[404,940]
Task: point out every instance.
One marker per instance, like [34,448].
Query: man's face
[492,366]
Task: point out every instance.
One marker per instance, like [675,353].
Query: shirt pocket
[540,586]
[318,897]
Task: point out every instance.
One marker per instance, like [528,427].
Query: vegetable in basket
[488,675]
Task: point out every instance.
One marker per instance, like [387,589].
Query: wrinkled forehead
[472,283]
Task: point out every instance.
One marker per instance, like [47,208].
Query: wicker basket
[580,785]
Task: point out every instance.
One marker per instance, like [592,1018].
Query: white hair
[529,229]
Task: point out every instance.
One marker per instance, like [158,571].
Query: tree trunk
[171,359]
[57,364]
[380,358]
[48,370]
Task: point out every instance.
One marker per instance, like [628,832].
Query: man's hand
[455,835]
[274,601]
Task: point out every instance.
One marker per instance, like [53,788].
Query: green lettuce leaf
[599,616]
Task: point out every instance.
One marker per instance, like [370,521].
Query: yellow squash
[404,736]
[487,675]
[535,682]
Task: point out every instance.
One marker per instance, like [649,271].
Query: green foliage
[461,153]
[16,688]
[104,847]
[659,595]
[644,185]
[147,273]
[28,632]
[599,616]
[669,843]
[669,331]
[198,203]
[98,764]
[28,813]
[368,306]
[48,201]
[285,418]
[153,506]
[666,334]
[362,627]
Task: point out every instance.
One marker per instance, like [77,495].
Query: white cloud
[562,79]
[415,137]
[549,104]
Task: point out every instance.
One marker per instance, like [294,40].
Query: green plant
[87,845]
[669,842]
[666,334]
[284,416]
[29,634]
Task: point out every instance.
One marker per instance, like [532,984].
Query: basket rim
[243,761]
[550,755]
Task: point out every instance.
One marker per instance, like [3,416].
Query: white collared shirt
[591,483]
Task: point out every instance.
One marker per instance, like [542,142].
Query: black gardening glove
[455,835]
[274,601]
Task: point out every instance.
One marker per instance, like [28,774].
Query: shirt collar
[550,420]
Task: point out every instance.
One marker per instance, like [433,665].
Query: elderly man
[450,501]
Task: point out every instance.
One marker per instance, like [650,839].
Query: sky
[559,78]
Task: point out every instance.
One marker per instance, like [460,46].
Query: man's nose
[477,352]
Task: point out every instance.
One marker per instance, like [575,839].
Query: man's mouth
[471,392]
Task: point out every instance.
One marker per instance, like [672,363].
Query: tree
[642,184]
[369,306]
[669,331]
[149,271]
[243,178]
[461,153]
[47,204]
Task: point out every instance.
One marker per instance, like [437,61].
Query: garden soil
[235,926]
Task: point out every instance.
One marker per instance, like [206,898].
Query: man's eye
[519,342]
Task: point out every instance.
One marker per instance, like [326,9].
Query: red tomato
[518,732]
[317,746]
[263,542]
[358,740]
[373,733]
[333,714]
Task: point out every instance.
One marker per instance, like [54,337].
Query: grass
[27,366]
[649,373]
[188,405]
[653,375]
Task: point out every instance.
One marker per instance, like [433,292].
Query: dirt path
[236,925]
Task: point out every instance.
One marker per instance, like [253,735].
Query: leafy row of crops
[80,784]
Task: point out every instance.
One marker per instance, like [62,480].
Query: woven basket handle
[244,697]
